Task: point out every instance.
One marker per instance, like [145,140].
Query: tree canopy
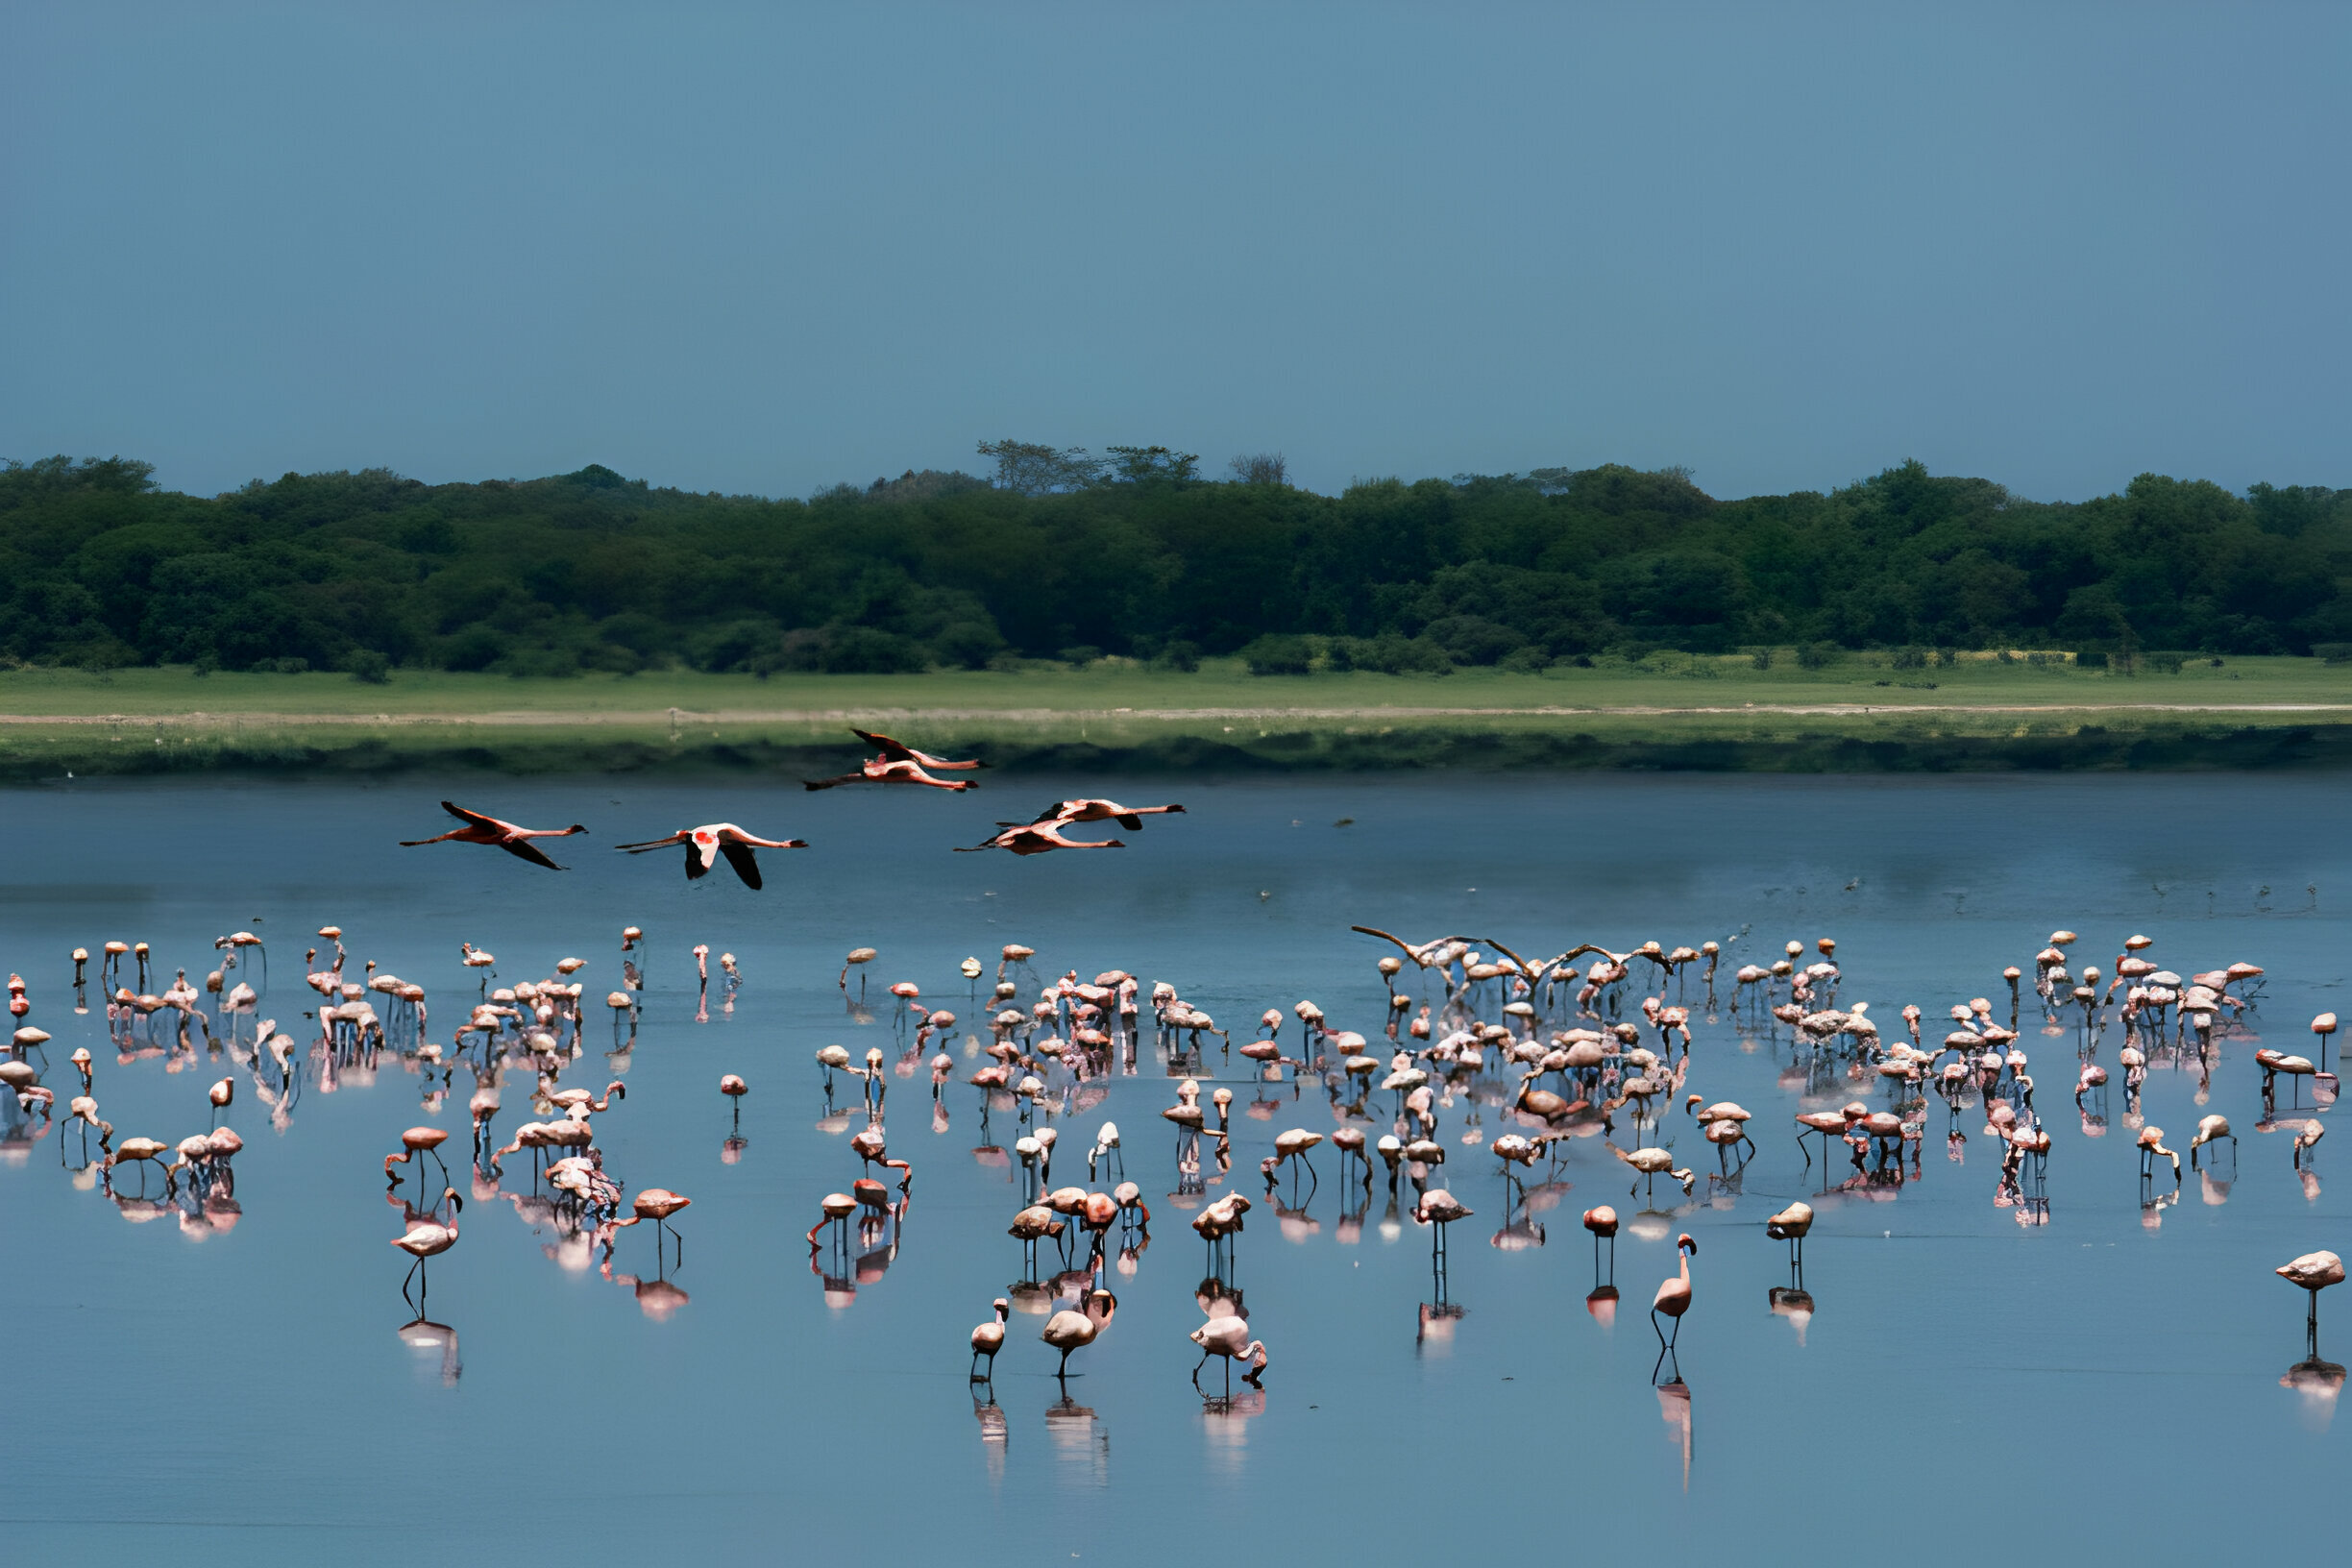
[1064,554]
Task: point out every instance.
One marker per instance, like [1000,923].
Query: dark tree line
[1066,554]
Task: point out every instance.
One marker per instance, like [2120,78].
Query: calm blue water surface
[2107,1379]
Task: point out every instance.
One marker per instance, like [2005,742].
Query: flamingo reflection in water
[1675,1408]
[436,1342]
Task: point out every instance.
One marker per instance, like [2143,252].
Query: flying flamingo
[899,763]
[499,835]
[1035,839]
[898,751]
[428,1241]
[703,844]
[1130,818]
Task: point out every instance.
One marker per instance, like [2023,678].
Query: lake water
[2089,1376]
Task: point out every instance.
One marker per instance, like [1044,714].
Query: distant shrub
[1524,661]
[1818,655]
[1761,658]
[369,667]
[1083,653]
[1910,658]
[1279,654]
[1179,655]
[2333,652]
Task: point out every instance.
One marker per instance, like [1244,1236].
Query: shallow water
[2107,1378]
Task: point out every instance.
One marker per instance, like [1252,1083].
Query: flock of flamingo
[1556,1051]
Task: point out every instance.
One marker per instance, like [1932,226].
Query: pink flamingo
[898,764]
[704,845]
[424,1242]
[1035,839]
[1130,818]
[988,1339]
[499,835]
[1673,1299]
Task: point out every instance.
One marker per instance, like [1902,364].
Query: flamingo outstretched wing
[474,817]
[892,750]
[679,837]
[745,861]
[525,850]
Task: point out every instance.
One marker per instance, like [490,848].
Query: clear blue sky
[764,249]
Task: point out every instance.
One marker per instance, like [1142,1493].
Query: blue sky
[765,249]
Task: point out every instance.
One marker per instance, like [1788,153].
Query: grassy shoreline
[1671,713]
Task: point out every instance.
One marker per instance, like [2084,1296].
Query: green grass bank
[1668,711]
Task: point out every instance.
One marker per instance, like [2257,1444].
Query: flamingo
[1106,1142]
[1673,1298]
[499,835]
[1790,1225]
[1130,818]
[1441,1208]
[2210,1129]
[704,845]
[657,1204]
[1230,1337]
[147,1149]
[1602,1223]
[428,1241]
[1068,1330]
[415,1141]
[1035,839]
[1652,1163]
[898,765]
[988,1339]
[835,1208]
[899,752]
[2314,1272]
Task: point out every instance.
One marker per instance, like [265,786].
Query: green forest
[1060,554]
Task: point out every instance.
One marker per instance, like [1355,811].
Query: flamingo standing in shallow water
[988,1339]
[2314,1272]
[428,1241]
[1068,1330]
[1602,1223]
[1229,1338]
[497,834]
[1673,1299]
